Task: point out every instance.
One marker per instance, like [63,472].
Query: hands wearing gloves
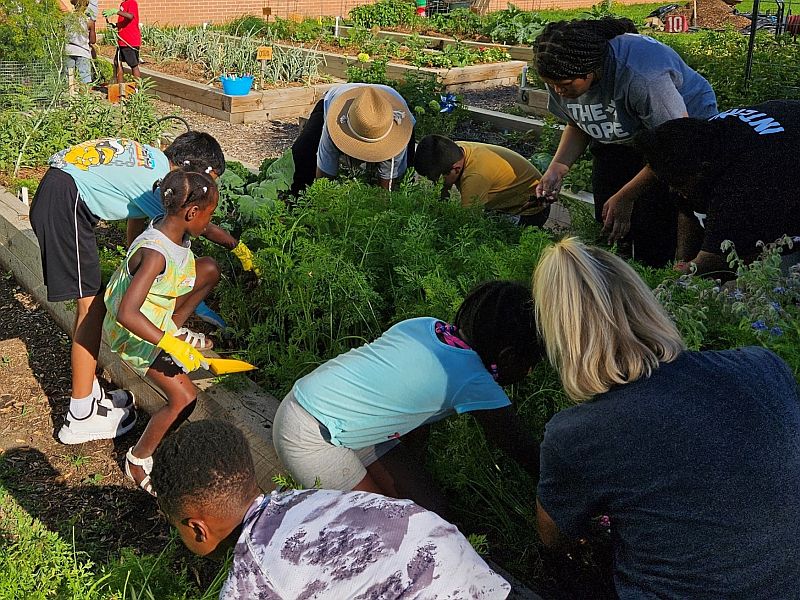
[110,12]
[186,356]
[245,256]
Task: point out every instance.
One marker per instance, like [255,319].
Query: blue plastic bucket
[236,86]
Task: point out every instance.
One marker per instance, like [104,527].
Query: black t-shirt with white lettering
[757,197]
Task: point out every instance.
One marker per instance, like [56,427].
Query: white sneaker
[105,422]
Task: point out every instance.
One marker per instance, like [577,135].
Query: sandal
[147,466]
[196,340]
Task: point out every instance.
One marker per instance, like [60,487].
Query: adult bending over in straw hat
[366,123]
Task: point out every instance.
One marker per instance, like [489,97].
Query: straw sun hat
[369,123]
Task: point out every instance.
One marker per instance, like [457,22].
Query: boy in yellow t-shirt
[497,178]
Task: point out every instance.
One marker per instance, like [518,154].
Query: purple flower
[737,294]
[776,331]
[779,290]
[775,306]
[605,521]
[447,103]
[759,325]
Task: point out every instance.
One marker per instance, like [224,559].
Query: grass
[635,12]
[36,563]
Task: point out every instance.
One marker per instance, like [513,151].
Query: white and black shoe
[119,398]
[105,422]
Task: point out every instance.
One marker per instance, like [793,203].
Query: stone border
[250,409]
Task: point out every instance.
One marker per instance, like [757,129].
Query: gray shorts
[303,445]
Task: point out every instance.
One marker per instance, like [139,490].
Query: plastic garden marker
[263,53]
[224,366]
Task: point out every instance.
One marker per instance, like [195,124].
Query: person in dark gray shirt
[693,457]
[606,82]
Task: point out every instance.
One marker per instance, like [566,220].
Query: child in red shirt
[129,36]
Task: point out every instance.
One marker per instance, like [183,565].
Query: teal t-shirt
[402,380]
[115,177]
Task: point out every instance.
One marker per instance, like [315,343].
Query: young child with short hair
[129,37]
[329,545]
[150,296]
[339,423]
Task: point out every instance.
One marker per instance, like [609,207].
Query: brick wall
[194,12]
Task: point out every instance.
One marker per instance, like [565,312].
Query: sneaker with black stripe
[105,422]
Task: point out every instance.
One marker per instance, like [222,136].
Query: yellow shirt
[498,178]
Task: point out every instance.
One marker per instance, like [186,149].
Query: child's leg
[89,315]
[118,72]
[181,396]
[206,277]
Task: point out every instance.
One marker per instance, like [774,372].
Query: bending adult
[363,122]
[491,176]
[606,82]
[692,455]
[738,183]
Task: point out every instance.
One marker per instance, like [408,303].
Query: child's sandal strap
[145,463]
[147,486]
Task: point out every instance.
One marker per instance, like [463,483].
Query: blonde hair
[601,324]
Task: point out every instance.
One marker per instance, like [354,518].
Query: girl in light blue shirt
[337,424]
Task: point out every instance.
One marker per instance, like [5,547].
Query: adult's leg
[304,150]
[181,395]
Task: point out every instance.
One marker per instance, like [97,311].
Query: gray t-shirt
[78,31]
[644,84]
[333,545]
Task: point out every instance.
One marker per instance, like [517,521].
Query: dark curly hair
[497,320]
[206,465]
[435,156]
[570,49]
[197,151]
[182,188]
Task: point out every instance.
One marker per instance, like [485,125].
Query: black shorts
[127,54]
[64,226]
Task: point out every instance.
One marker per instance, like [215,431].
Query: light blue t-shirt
[402,380]
[115,177]
[644,84]
[328,154]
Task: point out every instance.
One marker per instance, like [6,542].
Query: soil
[713,14]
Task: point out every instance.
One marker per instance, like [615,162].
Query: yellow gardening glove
[245,256]
[185,355]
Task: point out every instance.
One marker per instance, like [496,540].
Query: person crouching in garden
[340,424]
[109,179]
[491,176]
[149,298]
[606,83]
[693,456]
[738,183]
[323,544]
[365,123]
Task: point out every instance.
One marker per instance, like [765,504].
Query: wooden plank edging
[250,408]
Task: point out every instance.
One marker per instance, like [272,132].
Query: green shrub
[384,13]
[30,30]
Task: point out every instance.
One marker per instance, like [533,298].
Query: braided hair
[182,188]
[205,465]
[496,320]
[569,49]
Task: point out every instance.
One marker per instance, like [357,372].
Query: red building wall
[194,12]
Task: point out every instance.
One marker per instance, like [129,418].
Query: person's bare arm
[549,532]
[690,236]
[573,143]
[92,36]
[706,262]
[125,15]
[384,183]
[503,429]
[148,265]
[618,208]
[320,174]
[65,6]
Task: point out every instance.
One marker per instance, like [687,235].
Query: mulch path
[713,14]
[78,490]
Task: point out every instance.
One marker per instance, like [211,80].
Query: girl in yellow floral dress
[149,298]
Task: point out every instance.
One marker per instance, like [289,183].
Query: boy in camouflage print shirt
[308,543]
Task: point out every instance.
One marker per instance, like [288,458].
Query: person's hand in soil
[617,217]
[552,179]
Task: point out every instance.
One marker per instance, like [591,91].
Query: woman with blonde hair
[693,456]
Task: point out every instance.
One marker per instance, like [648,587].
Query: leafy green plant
[514,26]
[28,28]
[384,13]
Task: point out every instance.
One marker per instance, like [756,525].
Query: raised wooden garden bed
[454,79]
[533,101]
[439,42]
[260,105]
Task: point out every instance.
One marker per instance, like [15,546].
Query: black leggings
[304,150]
[654,221]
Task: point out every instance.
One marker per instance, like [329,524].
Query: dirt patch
[713,14]
[74,490]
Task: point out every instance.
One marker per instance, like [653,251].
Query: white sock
[80,408]
[97,392]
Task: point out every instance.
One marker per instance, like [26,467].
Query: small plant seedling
[79,460]
[5,361]
[95,479]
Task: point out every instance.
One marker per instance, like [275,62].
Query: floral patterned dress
[177,279]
